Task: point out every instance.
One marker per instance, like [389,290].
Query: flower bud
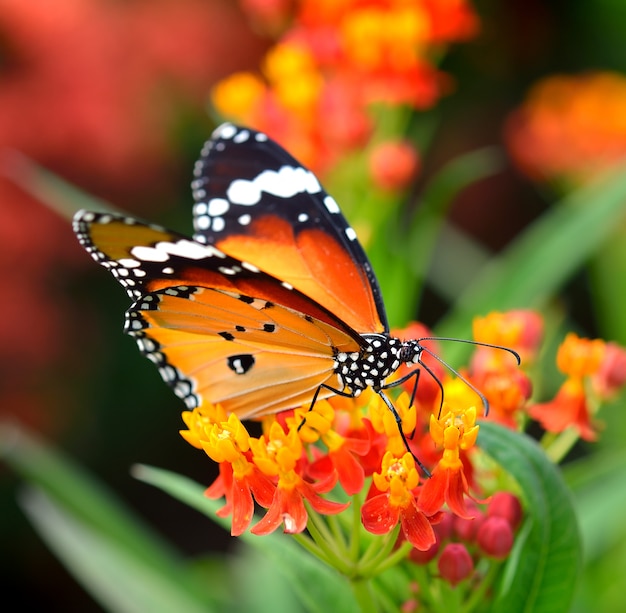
[507,506]
[612,373]
[455,563]
[394,165]
[495,537]
[466,529]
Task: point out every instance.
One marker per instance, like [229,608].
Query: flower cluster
[332,61]
[570,128]
[419,475]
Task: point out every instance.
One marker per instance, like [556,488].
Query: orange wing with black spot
[252,310]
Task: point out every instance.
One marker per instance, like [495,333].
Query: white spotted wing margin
[272,359]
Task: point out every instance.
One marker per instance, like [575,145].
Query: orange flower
[392,499]
[239,96]
[226,441]
[278,455]
[507,392]
[578,358]
[569,408]
[520,330]
[335,60]
[455,432]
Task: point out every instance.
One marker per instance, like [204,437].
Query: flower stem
[478,592]
[558,446]
[364,596]
[326,545]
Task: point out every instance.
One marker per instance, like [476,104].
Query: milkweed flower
[579,359]
[332,60]
[455,432]
[392,499]
[316,461]
[278,455]
[610,377]
[226,441]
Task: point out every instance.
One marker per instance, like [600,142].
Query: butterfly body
[271,305]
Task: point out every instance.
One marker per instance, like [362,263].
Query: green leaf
[55,192]
[318,588]
[537,264]
[91,530]
[114,575]
[541,573]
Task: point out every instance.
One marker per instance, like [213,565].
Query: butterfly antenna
[483,398]
[468,342]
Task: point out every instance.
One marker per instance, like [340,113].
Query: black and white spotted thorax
[379,358]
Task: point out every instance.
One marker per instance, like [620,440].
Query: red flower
[448,483]
[288,508]
[396,502]
[342,460]
[569,408]
[240,494]
[278,454]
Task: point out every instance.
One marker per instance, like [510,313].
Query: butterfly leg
[399,424]
[416,373]
[389,404]
[317,391]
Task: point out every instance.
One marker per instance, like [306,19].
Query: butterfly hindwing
[272,359]
[254,201]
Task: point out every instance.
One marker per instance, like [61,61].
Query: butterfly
[271,305]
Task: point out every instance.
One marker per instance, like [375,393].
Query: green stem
[323,539]
[306,543]
[426,593]
[364,596]
[355,541]
[391,560]
[558,446]
[338,534]
[370,562]
[477,594]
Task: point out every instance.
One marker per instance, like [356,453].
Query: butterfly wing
[254,201]
[217,327]
[272,359]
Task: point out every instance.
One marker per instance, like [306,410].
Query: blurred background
[113,97]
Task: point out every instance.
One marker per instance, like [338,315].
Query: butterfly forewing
[254,201]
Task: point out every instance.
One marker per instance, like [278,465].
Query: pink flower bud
[394,164]
[466,529]
[495,537]
[455,563]
[507,506]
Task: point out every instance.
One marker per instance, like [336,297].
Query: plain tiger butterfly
[271,305]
